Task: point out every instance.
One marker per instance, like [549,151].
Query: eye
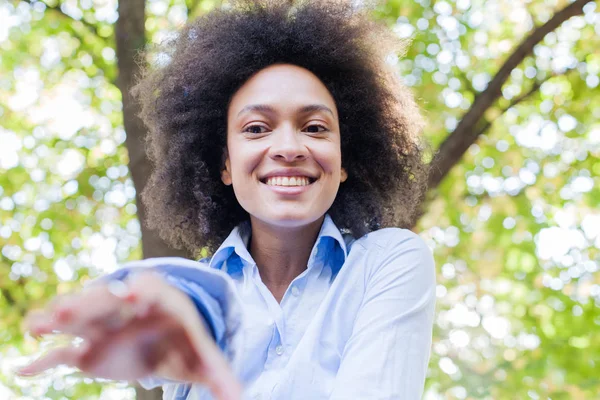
[256,129]
[317,127]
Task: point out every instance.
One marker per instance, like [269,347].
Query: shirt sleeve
[387,354]
[212,291]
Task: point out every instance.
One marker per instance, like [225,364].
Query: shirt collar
[237,243]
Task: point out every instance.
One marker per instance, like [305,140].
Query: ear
[226,171]
[343,175]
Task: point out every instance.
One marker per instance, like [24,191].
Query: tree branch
[57,8]
[192,6]
[90,29]
[457,143]
[464,79]
[536,86]
[9,298]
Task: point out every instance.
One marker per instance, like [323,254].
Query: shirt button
[295,291]
[279,350]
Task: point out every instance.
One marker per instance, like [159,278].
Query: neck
[281,253]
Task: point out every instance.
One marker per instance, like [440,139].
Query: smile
[288,185]
[288,181]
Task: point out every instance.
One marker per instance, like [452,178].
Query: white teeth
[288,181]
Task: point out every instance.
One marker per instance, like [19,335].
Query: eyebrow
[270,110]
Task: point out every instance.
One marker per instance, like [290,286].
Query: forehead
[281,85]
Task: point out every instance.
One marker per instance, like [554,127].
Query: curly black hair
[184,104]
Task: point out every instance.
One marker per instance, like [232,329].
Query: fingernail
[40,330]
[35,333]
[63,314]
[131,297]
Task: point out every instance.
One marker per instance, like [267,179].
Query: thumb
[225,387]
[219,377]
[69,355]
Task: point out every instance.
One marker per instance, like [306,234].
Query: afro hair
[184,103]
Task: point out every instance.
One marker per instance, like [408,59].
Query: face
[283,153]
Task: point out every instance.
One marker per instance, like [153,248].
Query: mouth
[288,181]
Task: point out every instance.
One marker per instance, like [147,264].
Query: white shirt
[356,324]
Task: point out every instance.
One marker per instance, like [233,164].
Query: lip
[288,190]
[288,172]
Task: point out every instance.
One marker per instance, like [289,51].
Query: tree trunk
[154,394]
[130,37]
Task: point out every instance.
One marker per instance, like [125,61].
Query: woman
[286,149]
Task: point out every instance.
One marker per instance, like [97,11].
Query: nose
[287,145]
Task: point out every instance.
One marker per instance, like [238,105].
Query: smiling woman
[287,128]
[285,147]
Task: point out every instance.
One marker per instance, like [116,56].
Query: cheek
[243,161]
[330,159]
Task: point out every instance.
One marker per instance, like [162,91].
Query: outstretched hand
[151,329]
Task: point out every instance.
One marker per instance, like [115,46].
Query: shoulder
[399,252]
[393,238]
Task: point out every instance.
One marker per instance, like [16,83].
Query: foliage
[514,226]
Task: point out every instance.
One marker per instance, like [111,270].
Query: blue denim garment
[356,324]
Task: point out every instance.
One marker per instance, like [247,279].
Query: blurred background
[510,92]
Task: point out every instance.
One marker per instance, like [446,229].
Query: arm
[387,354]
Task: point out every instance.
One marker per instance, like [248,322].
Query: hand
[153,329]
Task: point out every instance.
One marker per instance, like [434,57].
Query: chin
[288,219]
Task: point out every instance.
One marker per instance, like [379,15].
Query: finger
[208,366]
[49,319]
[177,363]
[191,361]
[116,309]
[151,289]
[224,388]
[92,304]
[37,322]
[166,347]
[94,311]
[59,307]
[130,353]
[64,355]
[57,316]
[222,384]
